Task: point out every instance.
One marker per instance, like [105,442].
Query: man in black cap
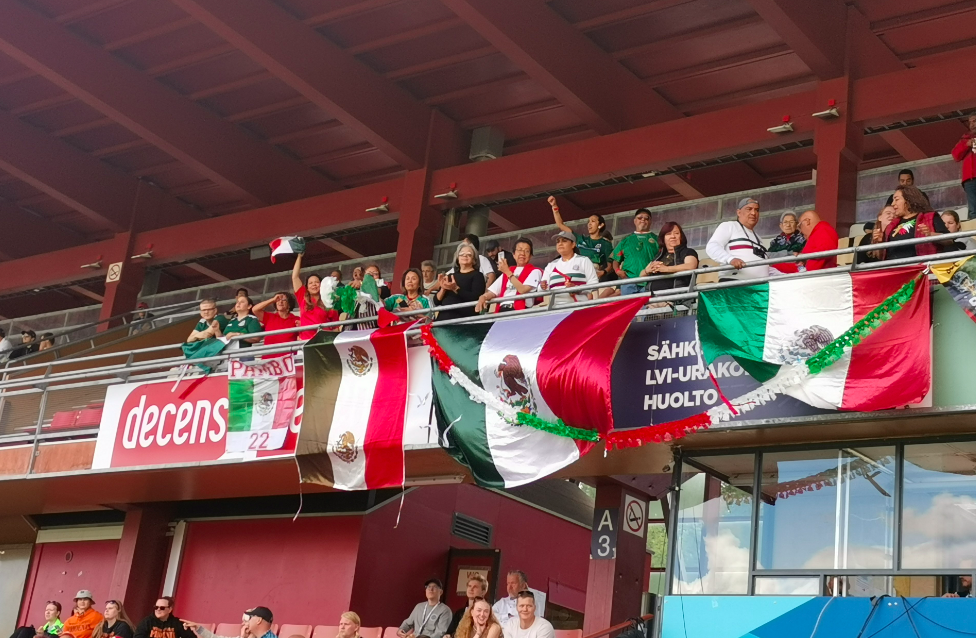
[28,340]
[256,623]
[429,618]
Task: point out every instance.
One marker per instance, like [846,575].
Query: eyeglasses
[158,608]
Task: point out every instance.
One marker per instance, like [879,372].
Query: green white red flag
[286,246]
[262,397]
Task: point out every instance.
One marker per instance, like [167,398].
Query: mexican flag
[203,349]
[261,398]
[764,326]
[357,389]
[555,365]
[286,246]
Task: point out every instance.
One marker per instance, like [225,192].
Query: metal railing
[50,381]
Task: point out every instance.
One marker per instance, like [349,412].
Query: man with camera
[735,243]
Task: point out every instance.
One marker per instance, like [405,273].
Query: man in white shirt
[569,269]
[527,624]
[736,243]
[507,606]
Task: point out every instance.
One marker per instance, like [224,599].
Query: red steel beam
[189,132]
[578,73]
[27,234]
[379,110]
[812,28]
[76,179]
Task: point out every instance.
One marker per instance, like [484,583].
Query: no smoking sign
[635,515]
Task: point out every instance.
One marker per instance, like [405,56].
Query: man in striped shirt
[568,270]
[736,243]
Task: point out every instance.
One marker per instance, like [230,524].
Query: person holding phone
[412,297]
[465,283]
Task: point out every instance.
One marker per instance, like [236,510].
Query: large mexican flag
[765,326]
[554,365]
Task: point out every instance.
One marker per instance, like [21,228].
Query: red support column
[141,560]
[615,586]
[123,282]
[838,143]
[420,225]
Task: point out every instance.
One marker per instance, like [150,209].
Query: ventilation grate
[471,529]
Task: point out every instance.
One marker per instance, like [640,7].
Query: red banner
[146,424]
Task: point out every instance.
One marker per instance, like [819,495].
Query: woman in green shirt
[243,322]
[593,245]
[52,619]
[412,297]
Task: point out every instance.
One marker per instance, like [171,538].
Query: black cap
[436,581]
[261,612]
[33,335]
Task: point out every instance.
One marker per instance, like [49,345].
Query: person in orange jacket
[82,623]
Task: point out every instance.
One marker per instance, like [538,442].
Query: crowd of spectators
[494,281]
[513,616]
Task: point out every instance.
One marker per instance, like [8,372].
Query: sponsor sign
[658,376]
[154,424]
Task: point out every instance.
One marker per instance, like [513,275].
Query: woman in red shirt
[310,307]
[281,319]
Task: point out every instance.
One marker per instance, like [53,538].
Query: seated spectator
[142,312]
[494,250]
[506,607]
[465,283]
[349,624]
[874,234]
[429,272]
[674,256]
[735,243]
[914,218]
[479,621]
[821,237]
[311,308]
[951,220]
[429,618]
[570,269]
[28,344]
[522,279]
[5,343]
[85,619]
[116,622]
[52,624]
[907,178]
[476,589]
[789,240]
[47,341]
[243,323]
[412,297]
[374,271]
[964,590]
[281,319]
[527,624]
[210,325]
[256,623]
[593,245]
[161,623]
[635,251]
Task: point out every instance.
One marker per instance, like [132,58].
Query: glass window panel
[830,509]
[655,511]
[939,506]
[714,529]
[657,544]
[787,586]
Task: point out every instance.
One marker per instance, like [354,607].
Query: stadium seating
[287,631]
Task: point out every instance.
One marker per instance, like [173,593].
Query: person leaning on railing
[412,297]
[522,279]
[913,218]
[281,319]
[568,270]
[211,325]
[465,283]
[820,237]
[673,256]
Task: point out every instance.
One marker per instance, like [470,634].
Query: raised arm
[296,272]
[258,308]
[559,218]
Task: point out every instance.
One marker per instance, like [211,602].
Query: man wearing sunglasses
[162,623]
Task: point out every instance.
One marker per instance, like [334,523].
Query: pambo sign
[153,424]
[658,377]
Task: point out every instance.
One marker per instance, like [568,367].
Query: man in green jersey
[210,325]
[635,251]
